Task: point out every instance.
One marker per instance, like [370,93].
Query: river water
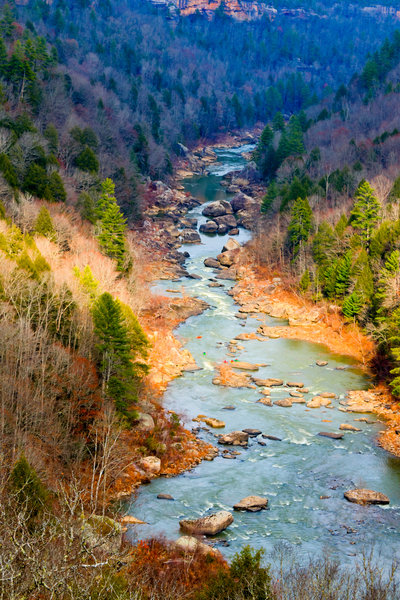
[292,473]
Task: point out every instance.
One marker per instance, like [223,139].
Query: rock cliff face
[242,10]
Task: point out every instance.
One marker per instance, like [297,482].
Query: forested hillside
[332,201]
[126,85]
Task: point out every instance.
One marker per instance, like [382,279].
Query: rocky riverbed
[290,434]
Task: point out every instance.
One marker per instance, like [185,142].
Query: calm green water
[293,473]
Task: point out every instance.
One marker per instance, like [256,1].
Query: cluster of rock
[226,216]
[225,264]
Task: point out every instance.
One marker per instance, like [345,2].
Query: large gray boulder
[210,525]
[217,209]
[209,227]
[145,422]
[212,263]
[241,202]
[228,220]
[363,496]
[190,236]
[230,244]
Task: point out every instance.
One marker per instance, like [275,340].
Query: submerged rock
[295,384]
[244,366]
[347,427]
[165,497]
[267,382]
[333,436]
[210,525]
[271,437]
[318,401]
[252,504]
[364,496]
[252,432]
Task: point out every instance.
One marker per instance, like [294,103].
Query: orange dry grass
[329,328]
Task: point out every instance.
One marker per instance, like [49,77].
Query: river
[292,473]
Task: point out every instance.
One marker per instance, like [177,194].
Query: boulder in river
[267,382]
[252,504]
[328,434]
[271,437]
[328,395]
[318,402]
[190,236]
[363,496]
[214,423]
[265,401]
[165,497]
[212,263]
[241,202]
[228,220]
[252,432]
[217,209]
[209,227]
[235,438]
[295,384]
[209,525]
[244,366]
[321,363]
[285,402]
[227,259]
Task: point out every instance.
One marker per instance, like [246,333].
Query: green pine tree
[56,189]
[301,224]
[305,281]
[364,277]
[269,198]
[365,213]
[120,373]
[341,225]
[111,225]
[87,161]
[323,243]
[343,273]
[352,305]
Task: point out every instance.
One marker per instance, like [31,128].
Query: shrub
[27,488]
[245,580]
